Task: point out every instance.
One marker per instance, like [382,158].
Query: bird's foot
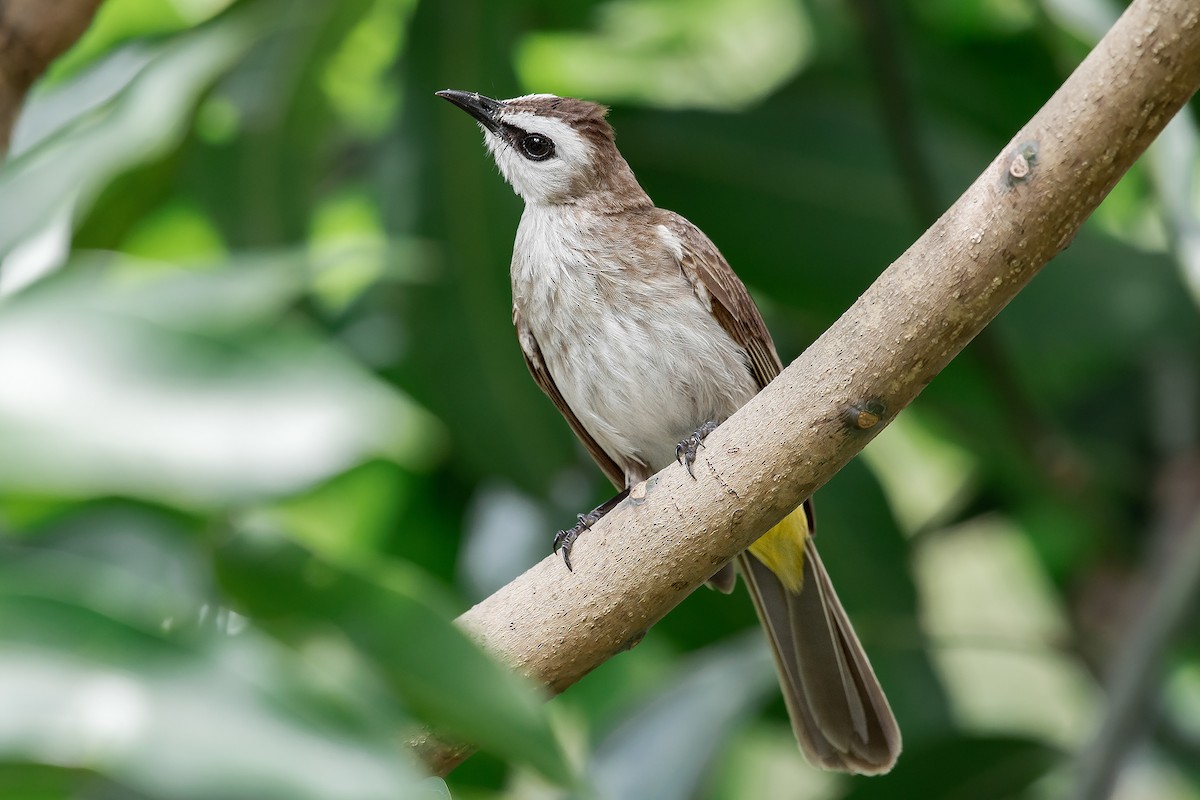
[565,540]
[685,451]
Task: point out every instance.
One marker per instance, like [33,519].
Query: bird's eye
[537,147]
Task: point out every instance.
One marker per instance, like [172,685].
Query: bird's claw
[685,451]
[565,540]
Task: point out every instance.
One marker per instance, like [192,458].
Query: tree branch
[673,532]
[32,34]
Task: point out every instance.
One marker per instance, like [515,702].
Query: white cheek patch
[541,181]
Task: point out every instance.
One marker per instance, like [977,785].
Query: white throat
[548,181]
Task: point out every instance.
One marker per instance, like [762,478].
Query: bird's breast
[638,358]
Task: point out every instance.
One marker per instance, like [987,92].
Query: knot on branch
[1021,165]
[865,415]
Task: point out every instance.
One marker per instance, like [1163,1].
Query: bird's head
[552,149]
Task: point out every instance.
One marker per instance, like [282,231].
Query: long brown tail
[839,713]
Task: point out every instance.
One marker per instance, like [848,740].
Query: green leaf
[665,748]
[183,386]
[118,21]
[103,668]
[965,768]
[672,54]
[441,674]
[142,122]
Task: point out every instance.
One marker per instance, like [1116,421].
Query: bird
[636,327]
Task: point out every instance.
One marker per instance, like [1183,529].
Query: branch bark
[672,534]
[32,34]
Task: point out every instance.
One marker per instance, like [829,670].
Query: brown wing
[541,375]
[717,284]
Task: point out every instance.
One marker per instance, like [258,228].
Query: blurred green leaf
[193,393]
[29,781]
[144,121]
[344,519]
[118,21]
[665,748]
[299,238]
[180,733]
[434,666]
[975,19]
[105,668]
[177,233]
[673,54]
[356,78]
[978,768]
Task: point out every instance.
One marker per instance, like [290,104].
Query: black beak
[483,109]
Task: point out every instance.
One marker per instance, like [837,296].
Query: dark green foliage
[265,428]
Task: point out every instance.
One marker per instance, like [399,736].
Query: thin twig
[1133,694]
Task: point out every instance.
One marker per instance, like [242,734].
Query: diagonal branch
[673,532]
[32,34]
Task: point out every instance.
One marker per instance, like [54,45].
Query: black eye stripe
[533,146]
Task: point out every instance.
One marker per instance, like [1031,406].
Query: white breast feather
[640,360]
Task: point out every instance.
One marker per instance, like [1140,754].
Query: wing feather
[542,377]
[718,286]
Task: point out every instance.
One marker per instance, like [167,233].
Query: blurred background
[265,427]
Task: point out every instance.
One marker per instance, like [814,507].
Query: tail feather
[839,713]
